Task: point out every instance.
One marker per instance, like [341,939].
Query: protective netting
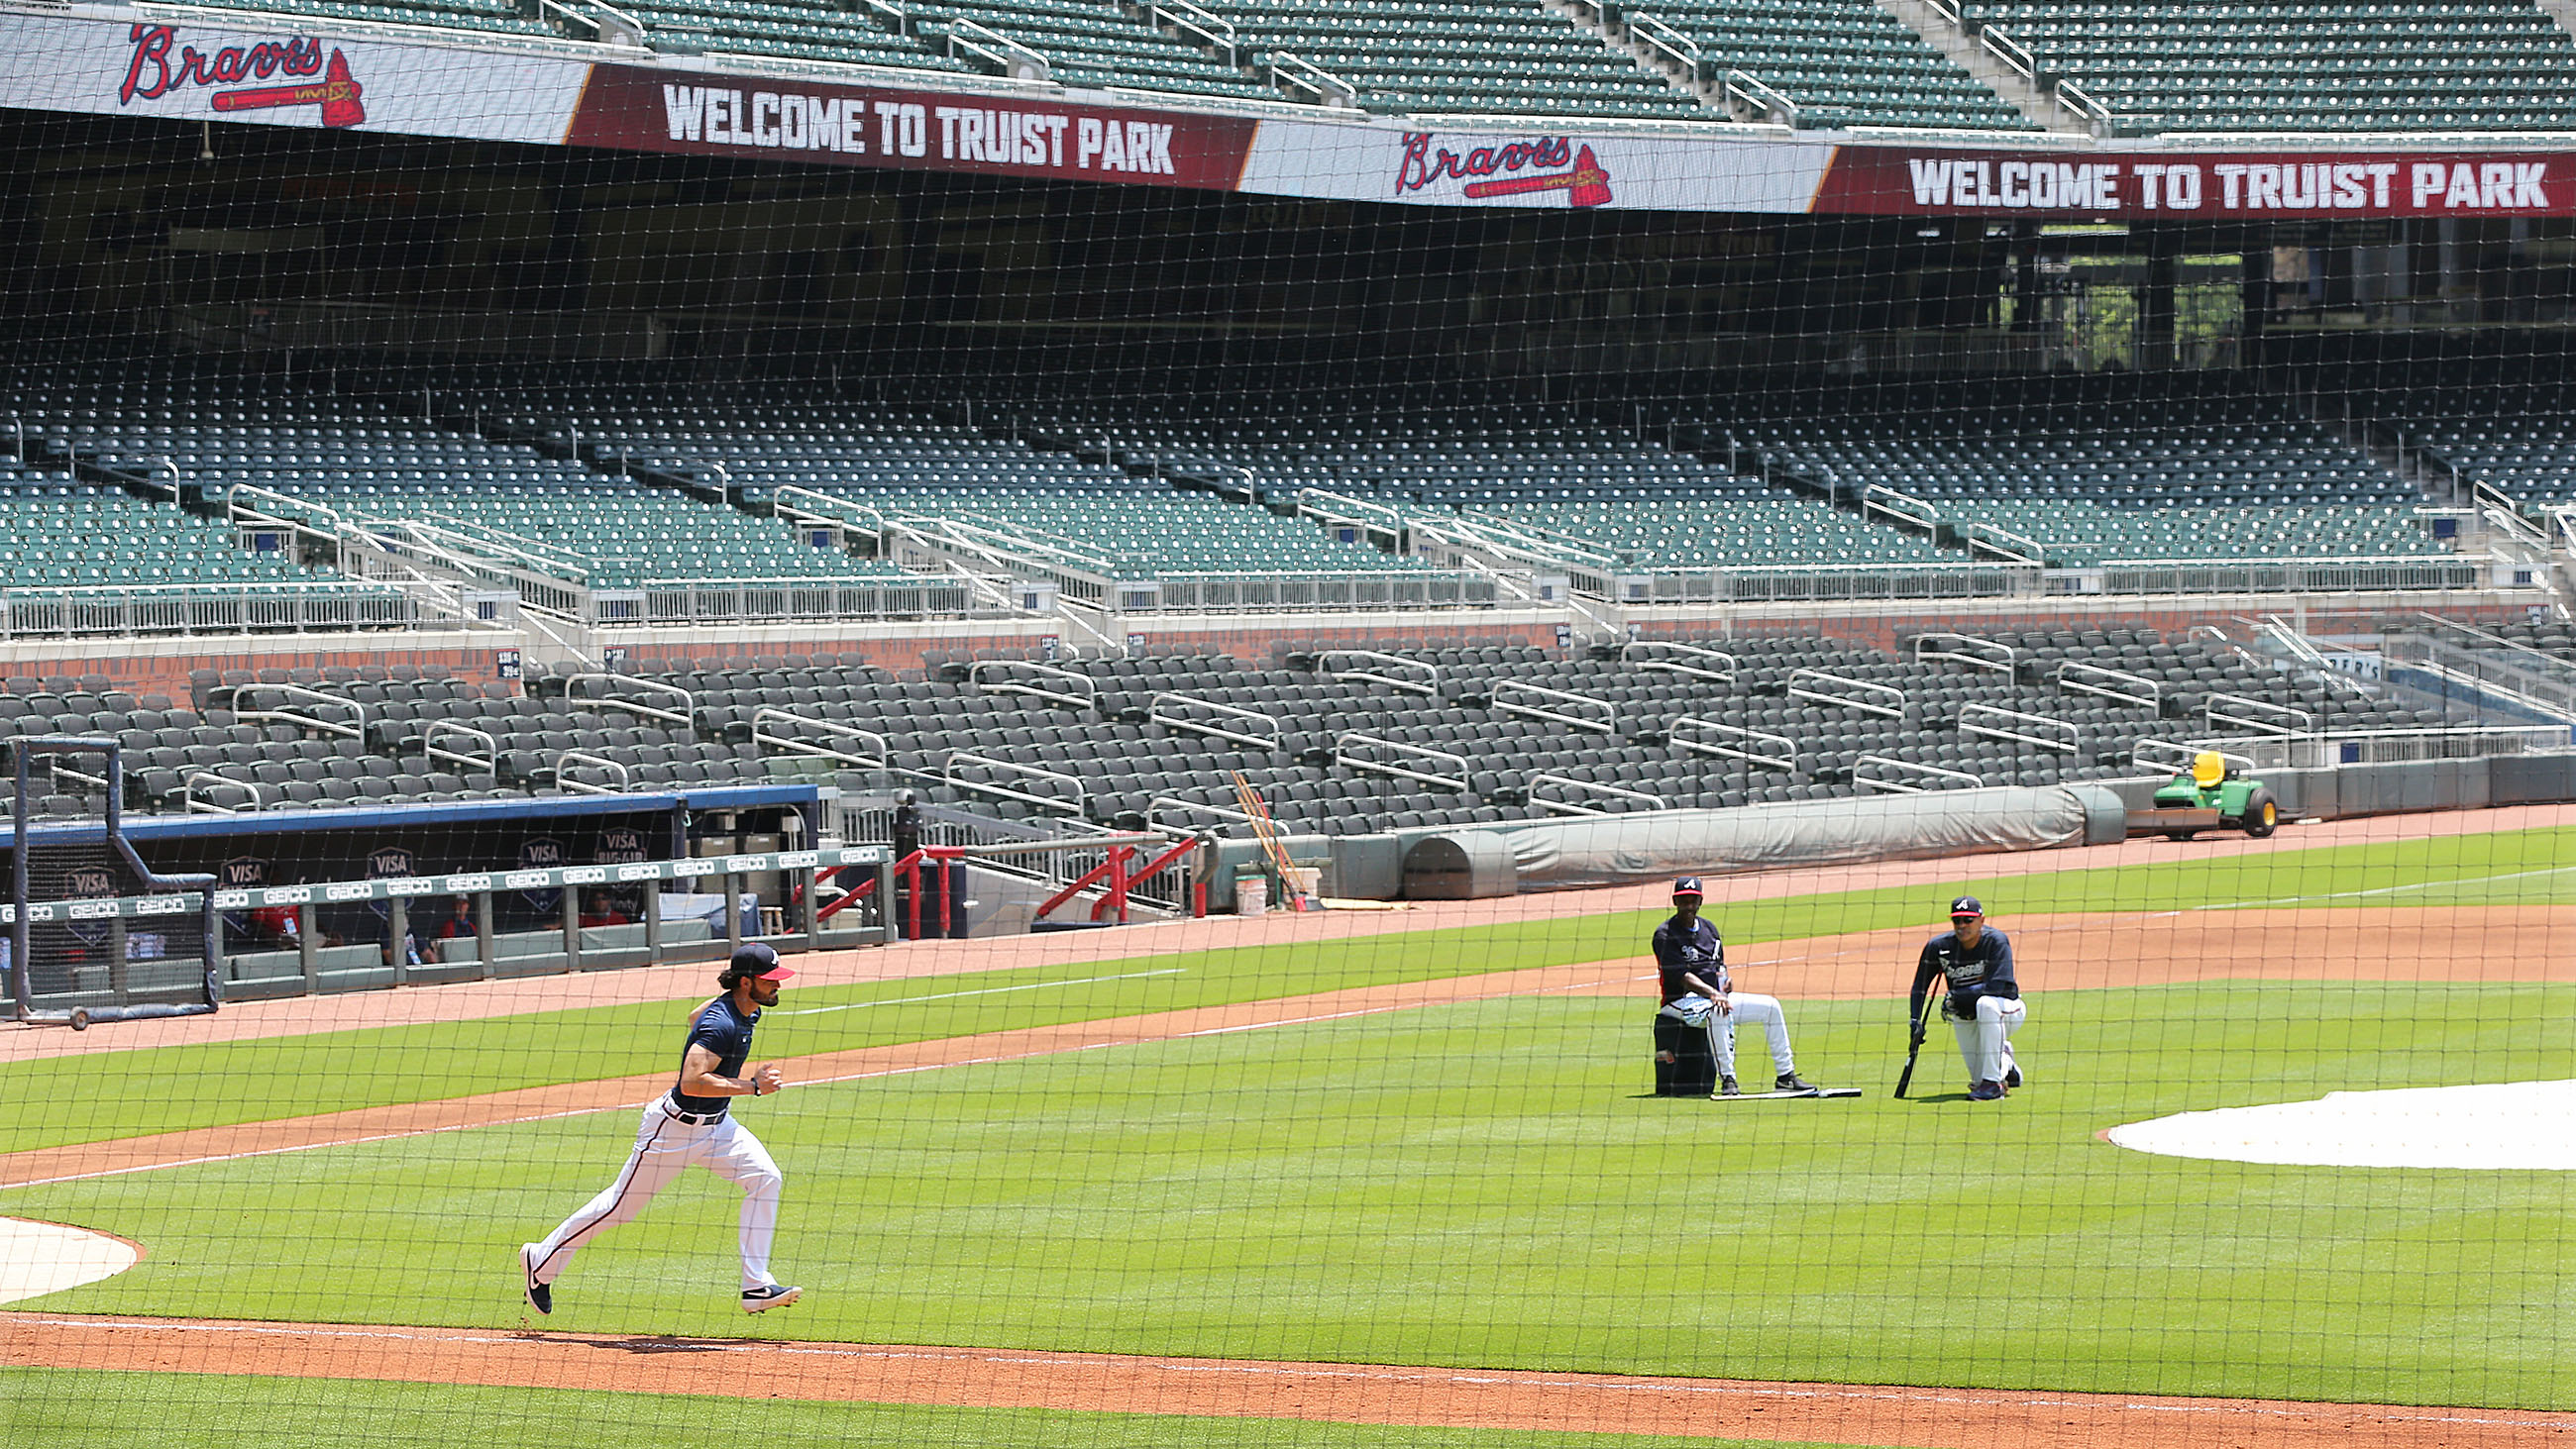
[1198,572]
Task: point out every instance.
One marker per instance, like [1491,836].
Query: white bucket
[1252,895]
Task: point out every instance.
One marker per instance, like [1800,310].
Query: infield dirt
[2057,953]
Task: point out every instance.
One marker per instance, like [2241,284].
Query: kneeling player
[1984,1002]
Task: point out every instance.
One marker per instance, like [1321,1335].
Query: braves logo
[1586,182]
[151,72]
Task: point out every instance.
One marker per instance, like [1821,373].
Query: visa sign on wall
[2144,185]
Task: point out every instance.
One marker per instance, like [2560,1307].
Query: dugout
[355,944]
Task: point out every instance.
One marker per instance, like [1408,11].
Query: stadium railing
[753,601]
[2272,576]
[202,609]
[2324,749]
[1819,582]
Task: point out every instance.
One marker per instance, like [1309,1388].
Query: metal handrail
[2117,684]
[1964,649]
[1785,759]
[357,731]
[685,716]
[1343,743]
[2281,720]
[2011,52]
[429,750]
[600,29]
[287,518]
[1981,534]
[1154,715]
[1530,786]
[2075,98]
[1087,697]
[1155,806]
[2062,735]
[625,776]
[1607,723]
[992,45]
[2184,752]
[195,806]
[1872,706]
[1428,685]
[1200,21]
[1657,35]
[878,761]
[1898,786]
[1918,511]
[1081,794]
[1296,73]
[1749,88]
[1722,666]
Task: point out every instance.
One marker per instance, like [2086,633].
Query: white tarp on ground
[1623,849]
[2513,1125]
[41,1258]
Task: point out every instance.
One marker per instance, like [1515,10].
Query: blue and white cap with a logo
[1687,886]
[1966,906]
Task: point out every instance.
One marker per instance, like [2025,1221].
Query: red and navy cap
[1687,886]
[757,960]
[1966,908]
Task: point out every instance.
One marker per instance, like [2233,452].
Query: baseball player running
[693,1123]
[1697,990]
[1984,1002]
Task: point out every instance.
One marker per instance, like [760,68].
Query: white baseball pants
[665,1147]
[1985,1044]
[1761,1011]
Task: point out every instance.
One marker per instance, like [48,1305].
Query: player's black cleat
[540,1296]
[761,1300]
[2012,1078]
[1726,1087]
[1791,1082]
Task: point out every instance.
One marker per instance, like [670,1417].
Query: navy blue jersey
[1983,970]
[727,1033]
[1695,949]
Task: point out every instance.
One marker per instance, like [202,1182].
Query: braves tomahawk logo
[152,72]
[1585,181]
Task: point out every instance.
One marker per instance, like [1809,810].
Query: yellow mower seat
[2208,768]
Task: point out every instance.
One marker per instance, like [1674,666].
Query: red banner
[2151,185]
[632,109]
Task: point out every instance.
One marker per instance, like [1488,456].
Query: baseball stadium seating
[2096,480]
[1458,56]
[502,17]
[2516,435]
[2239,65]
[1339,742]
[2206,65]
[1841,62]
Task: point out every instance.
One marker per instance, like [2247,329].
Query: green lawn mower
[2208,796]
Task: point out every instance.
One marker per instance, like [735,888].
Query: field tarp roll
[1624,849]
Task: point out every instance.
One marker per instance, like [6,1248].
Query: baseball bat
[1914,1039]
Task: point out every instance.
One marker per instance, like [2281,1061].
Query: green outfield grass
[1471,1184]
[125,1093]
[192,1411]
[1481,1185]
